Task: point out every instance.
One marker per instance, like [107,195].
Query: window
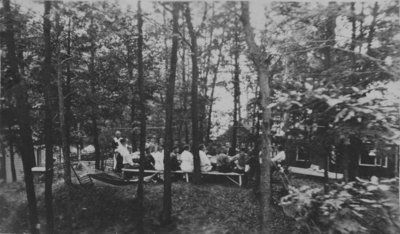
[372,159]
[301,154]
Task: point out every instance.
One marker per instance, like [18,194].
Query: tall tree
[11,143]
[20,94]
[236,85]
[261,63]
[167,205]
[48,124]
[61,108]
[67,94]
[213,84]
[329,34]
[142,116]
[94,106]
[194,95]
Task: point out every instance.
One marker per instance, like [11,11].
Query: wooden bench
[228,175]
[38,170]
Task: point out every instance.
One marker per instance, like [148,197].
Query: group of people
[222,159]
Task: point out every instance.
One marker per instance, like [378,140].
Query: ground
[213,207]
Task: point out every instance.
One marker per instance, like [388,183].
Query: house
[381,162]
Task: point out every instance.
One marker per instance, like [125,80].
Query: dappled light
[199,117]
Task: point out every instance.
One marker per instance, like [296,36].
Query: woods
[147,93]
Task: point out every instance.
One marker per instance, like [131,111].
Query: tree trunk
[372,28]
[96,144]
[330,26]
[48,124]
[23,117]
[12,161]
[133,101]
[261,62]
[203,128]
[67,98]
[3,162]
[61,109]
[3,172]
[236,91]
[185,93]
[211,100]
[94,113]
[194,94]
[142,118]
[167,203]
[346,152]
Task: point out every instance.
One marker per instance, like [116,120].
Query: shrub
[356,207]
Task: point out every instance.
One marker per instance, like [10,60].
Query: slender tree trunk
[361,27]
[185,92]
[167,204]
[330,42]
[236,91]
[3,172]
[133,101]
[61,109]
[64,109]
[142,118]
[194,94]
[133,117]
[203,127]
[211,100]
[261,62]
[48,124]
[96,143]
[12,156]
[255,111]
[67,98]
[94,113]
[23,117]
[353,27]
[372,28]
[3,162]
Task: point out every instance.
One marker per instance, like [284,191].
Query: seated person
[240,161]
[174,159]
[148,160]
[252,166]
[280,156]
[223,163]
[205,164]
[158,158]
[279,159]
[186,160]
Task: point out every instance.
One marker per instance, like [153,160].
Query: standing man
[117,157]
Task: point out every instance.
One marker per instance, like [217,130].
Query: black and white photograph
[199,117]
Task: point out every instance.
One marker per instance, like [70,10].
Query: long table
[228,175]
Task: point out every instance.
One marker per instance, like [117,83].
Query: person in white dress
[127,158]
[159,158]
[205,163]
[186,160]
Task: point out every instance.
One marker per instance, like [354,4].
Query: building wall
[19,170]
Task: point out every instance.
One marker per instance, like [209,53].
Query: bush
[355,207]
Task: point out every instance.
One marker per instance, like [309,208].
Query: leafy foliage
[355,207]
